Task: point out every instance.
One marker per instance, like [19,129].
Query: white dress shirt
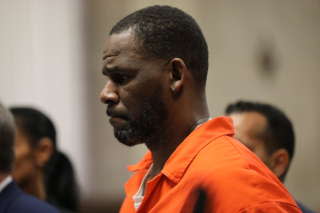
[5,183]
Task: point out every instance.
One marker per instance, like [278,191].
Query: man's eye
[119,79]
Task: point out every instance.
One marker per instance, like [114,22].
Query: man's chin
[129,142]
[127,139]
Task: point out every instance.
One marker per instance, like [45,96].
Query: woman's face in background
[25,166]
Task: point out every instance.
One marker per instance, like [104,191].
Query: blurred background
[268,50]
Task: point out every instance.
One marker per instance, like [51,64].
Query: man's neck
[184,115]
[170,140]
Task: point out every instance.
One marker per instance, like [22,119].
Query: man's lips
[112,113]
[116,118]
[117,121]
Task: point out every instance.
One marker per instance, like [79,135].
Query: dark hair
[61,186]
[7,135]
[279,132]
[167,32]
[60,182]
[34,124]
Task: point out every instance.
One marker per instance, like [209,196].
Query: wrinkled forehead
[121,43]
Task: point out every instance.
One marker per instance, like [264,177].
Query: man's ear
[44,151]
[177,75]
[279,162]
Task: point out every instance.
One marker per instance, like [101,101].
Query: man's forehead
[252,123]
[118,43]
[248,117]
[249,126]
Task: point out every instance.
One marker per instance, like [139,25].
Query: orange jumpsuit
[232,177]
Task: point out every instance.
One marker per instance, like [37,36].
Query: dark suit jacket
[13,200]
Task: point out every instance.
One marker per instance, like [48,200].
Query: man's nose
[109,95]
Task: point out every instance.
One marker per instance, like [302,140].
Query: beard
[146,125]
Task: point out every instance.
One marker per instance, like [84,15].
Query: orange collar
[178,162]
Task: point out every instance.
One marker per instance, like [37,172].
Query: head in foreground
[156,62]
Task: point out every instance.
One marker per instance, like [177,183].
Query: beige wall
[67,81]
[42,64]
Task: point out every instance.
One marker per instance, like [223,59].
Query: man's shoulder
[19,202]
[26,203]
[222,153]
[227,170]
[225,158]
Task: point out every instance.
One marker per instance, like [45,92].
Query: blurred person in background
[267,132]
[12,199]
[40,168]
[156,63]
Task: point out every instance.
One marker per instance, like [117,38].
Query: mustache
[113,113]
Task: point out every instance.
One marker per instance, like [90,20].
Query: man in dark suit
[12,199]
